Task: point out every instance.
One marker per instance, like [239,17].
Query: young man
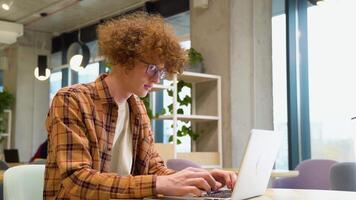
[99,134]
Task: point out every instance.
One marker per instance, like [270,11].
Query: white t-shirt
[121,159]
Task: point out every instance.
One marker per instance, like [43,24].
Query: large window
[332,70]
[279,70]
[63,76]
[89,74]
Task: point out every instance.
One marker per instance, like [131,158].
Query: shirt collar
[103,90]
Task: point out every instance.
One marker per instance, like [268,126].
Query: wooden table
[297,194]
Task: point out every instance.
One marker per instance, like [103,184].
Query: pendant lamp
[41,71]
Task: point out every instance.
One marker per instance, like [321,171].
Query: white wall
[251,71]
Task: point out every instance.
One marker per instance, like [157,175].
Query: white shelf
[193,77]
[208,160]
[160,87]
[189,117]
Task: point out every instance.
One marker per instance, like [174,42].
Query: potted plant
[195,61]
[6,101]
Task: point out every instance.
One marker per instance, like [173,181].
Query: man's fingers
[195,169]
[200,183]
[233,177]
[206,175]
[192,190]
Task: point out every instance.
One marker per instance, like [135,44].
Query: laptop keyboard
[219,194]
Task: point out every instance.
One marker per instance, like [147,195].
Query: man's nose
[156,78]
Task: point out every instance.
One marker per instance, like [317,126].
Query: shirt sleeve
[68,139]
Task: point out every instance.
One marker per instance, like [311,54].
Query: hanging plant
[186,129]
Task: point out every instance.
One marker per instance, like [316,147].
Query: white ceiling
[64,15]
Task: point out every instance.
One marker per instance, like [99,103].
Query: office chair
[313,174]
[343,176]
[24,182]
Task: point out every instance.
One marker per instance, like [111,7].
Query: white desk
[296,194]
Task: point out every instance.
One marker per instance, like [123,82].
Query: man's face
[141,78]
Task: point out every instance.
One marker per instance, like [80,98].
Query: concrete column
[234,37]
[210,35]
[251,71]
[32,95]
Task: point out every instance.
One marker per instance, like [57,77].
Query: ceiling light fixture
[316,2]
[41,72]
[7,5]
[78,55]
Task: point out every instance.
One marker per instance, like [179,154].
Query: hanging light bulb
[41,71]
[78,54]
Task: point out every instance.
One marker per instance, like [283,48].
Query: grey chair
[180,164]
[313,174]
[343,176]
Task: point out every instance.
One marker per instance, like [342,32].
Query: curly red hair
[138,35]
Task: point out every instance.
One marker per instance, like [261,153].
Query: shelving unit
[7,134]
[208,159]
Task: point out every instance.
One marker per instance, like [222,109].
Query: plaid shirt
[81,126]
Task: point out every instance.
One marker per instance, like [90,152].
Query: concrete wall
[32,95]
[251,71]
[234,37]
[210,35]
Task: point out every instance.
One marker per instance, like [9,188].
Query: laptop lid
[257,164]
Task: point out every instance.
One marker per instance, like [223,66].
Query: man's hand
[188,181]
[227,178]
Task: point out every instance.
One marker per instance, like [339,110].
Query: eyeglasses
[152,70]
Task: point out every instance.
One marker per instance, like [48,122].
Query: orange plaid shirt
[81,126]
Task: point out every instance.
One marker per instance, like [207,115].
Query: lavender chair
[180,164]
[313,174]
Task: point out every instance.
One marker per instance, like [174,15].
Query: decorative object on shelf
[195,61]
[185,129]
[78,55]
[41,72]
[6,101]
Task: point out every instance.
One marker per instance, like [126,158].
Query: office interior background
[285,65]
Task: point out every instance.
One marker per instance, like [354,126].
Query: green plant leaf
[194,56]
[170,139]
[180,133]
[180,111]
[180,85]
[186,101]
[170,108]
[170,93]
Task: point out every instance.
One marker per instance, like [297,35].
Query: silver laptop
[255,169]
